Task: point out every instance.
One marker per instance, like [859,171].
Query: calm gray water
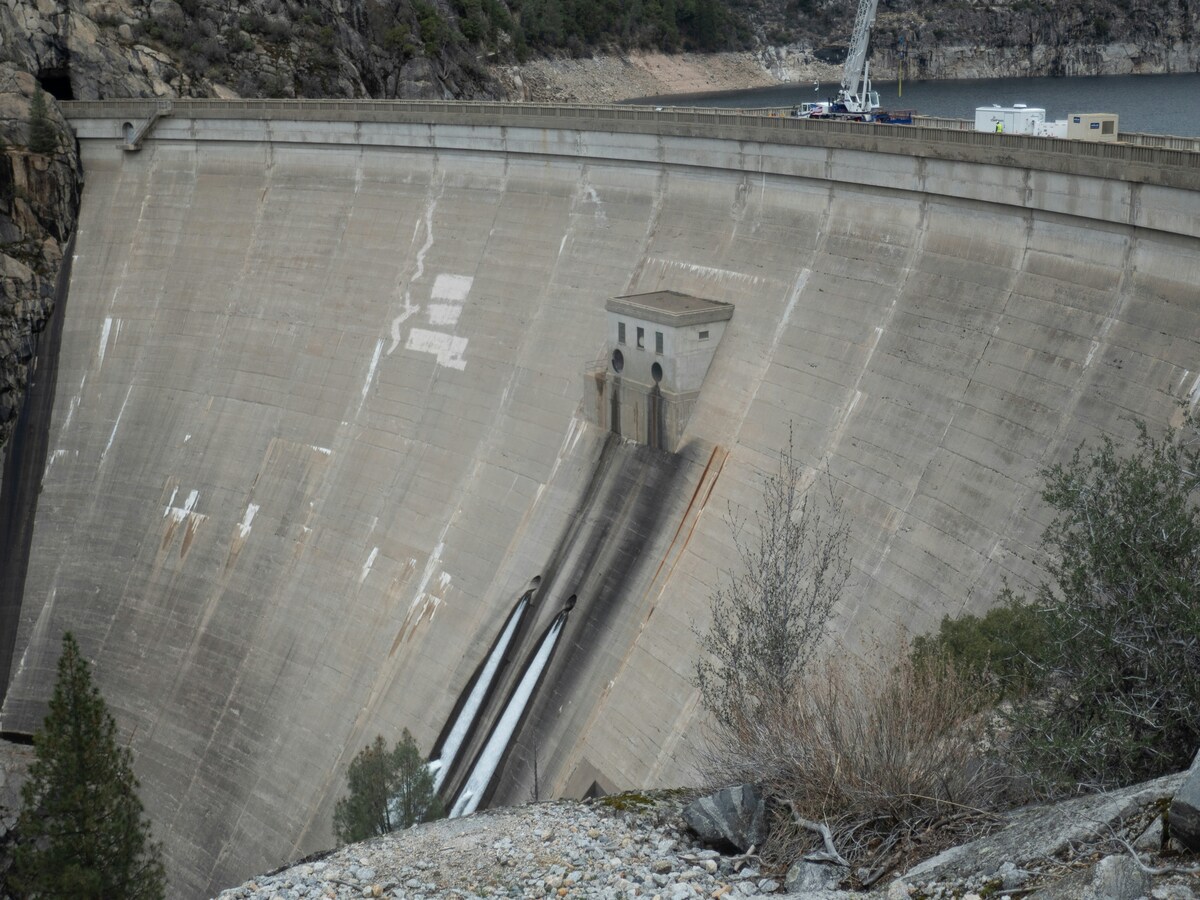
[1153,104]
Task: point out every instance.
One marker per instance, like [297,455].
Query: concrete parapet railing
[1157,162]
[1170,142]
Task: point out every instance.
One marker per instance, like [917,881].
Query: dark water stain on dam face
[550,591]
[24,465]
[600,558]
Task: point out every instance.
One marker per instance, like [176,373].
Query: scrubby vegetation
[769,619]
[1090,682]
[42,136]
[1107,648]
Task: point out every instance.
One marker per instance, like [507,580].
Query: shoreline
[612,79]
[604,79]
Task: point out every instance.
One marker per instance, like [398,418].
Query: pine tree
[82,830]
[42,137]
[388,790]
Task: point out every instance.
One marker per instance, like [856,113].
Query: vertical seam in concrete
[915,251]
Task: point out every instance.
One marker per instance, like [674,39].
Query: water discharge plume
[489,759]
[479,691]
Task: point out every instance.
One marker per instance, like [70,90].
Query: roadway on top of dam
[326,408]
[1135,159]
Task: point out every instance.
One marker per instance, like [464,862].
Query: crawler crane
[855,99]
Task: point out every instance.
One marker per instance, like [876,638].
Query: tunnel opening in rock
[57,83]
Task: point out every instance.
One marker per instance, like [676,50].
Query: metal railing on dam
[1132,162]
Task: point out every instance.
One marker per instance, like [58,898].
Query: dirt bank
[608,79]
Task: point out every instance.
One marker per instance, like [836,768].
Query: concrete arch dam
[321,416]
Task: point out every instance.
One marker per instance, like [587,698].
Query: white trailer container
[1015,119]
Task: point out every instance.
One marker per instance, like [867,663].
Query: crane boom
[856,91]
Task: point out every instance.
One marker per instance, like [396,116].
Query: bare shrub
[878,751]
[769,618]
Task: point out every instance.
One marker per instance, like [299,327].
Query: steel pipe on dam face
[320,418]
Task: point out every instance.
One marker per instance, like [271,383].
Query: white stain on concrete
[54,457]
[247,518]
[448,348]
[590,195]
[712,272]
[575,429]
[432,565]
[367,566]
[371,371]
[74,405]
[1091,353]
[116,424]
[853,404]
[444,313]
[451,292]
[105,331]
[411,308]
[768,353]
[453,288]
[179,513]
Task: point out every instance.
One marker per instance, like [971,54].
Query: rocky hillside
[475,49]
[1106,847]
[39,193]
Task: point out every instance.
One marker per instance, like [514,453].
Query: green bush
[1102,664]
[1005,648]
[1121,610]
[435,31]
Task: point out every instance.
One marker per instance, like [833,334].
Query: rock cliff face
[1034,37]
[39,195]
[93,49]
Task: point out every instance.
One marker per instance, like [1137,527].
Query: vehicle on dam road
[855,100]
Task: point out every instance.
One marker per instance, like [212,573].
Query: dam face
[321,418]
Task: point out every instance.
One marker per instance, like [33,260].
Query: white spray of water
[440,766]
[489,760]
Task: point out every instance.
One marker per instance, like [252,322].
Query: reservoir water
[1152,104]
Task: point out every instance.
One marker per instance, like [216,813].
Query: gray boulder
[1113,878]
[1034,833]
[1184,814]
[806,877]
[733,816]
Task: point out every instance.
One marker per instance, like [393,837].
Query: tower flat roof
[671,308]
